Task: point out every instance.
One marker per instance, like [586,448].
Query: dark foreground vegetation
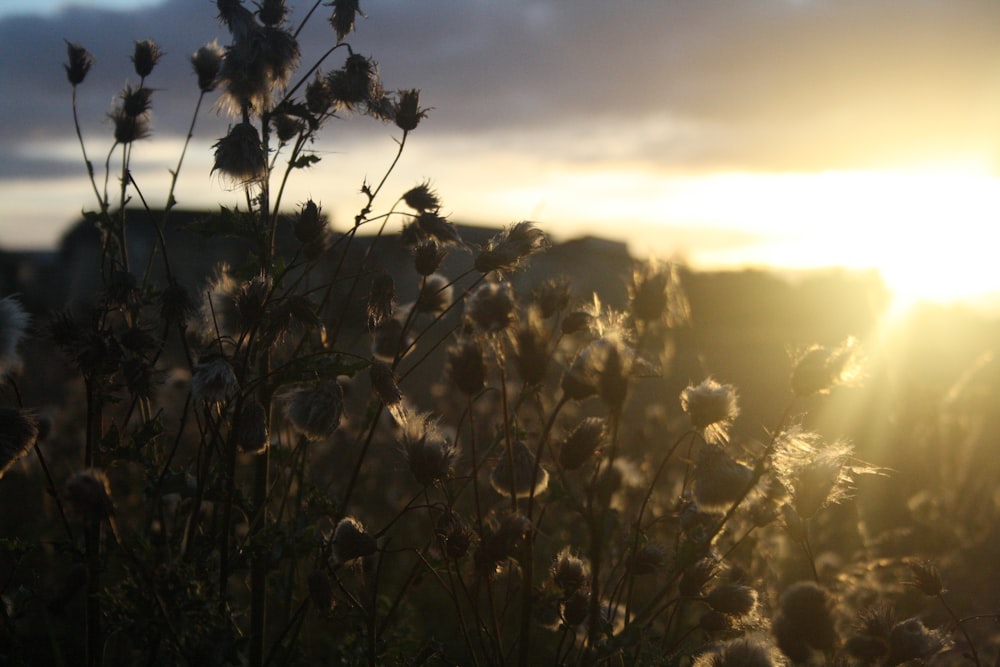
[409,443]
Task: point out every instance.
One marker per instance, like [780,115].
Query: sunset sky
[790,133]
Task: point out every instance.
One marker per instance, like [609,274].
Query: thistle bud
[18,434]
[89,494]
[342,19]
[80,62]
[926,578]
[207,61]
[309,223]
[381,300]
[427,257]
[145,57]
[350,541]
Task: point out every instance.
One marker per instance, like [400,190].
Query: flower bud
[408,113]
[80,62]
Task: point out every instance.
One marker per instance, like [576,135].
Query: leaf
[305,161]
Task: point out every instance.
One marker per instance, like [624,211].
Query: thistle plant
[313,456]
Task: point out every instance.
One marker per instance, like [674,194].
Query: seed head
[466,367]
[804,621]
[343,15]
[429,454]
[350,541]
[912,640]
[506,542]
[710,404]
[696,576]
[213,381]
[506,251]
[381,300]
[421,198]
[356,83]
[732,599]
[491,307]
[80,62]
[553,296]
[648,559]
[309,223]
[14,321]
[207,61]
[926,578]
[427,256]
[719,480]
[431,225]
[582,442]
[819,369]
[531,354]
[145,56]
[89,494]
[740,652]
[515,473]
[239,156]
[250,432]
[570,573]
[315,411]
[388,339]
[128,127]
[435,295]
[18,434]
[272,12]
[406,110]
[656,295]
[454,533]
[384,383]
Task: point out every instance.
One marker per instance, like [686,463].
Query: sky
[788,133]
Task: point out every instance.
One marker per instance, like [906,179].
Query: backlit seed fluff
[386,388]
[145,57]
[14,321]
[710,403]
[912,640]
[239,156]
[429,452]
[570,573]
[804,622]
[491,307]
[506,250]
[207,61]
[435,295]
[649,559]
[516,474]
[427,257]
[819,369]
[213,381]
[926,578]
[80,62]
[740,652]
[315,412]
[129,128]
[719,480]
[381,300]
[88,492]
[350,541]
[454,533]
[18,434]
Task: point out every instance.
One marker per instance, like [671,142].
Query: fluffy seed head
[912,640]
[819,369]
[407,112]
[381,300]
[207,61]
[696,576]
[145,57]
[18,434]
[710,404]
[427,256]
[553,296]
[656,295]
[350,541]
[531,353]
[505,251]
[719,480]
[429,454]
[343,15]
[732,599]
[421,198]
[648,559]
[128,127]
[926,578]
[14,322]
[454,533]
[804,621]
[491,307]
[435,295]
[213,381]
[239,156]
[570,573]
[315,411]
[515,473]
[741,652]
[432,225]
[386,388]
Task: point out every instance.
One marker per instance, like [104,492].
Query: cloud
[762,85]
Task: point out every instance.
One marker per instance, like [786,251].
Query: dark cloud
[756,85]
